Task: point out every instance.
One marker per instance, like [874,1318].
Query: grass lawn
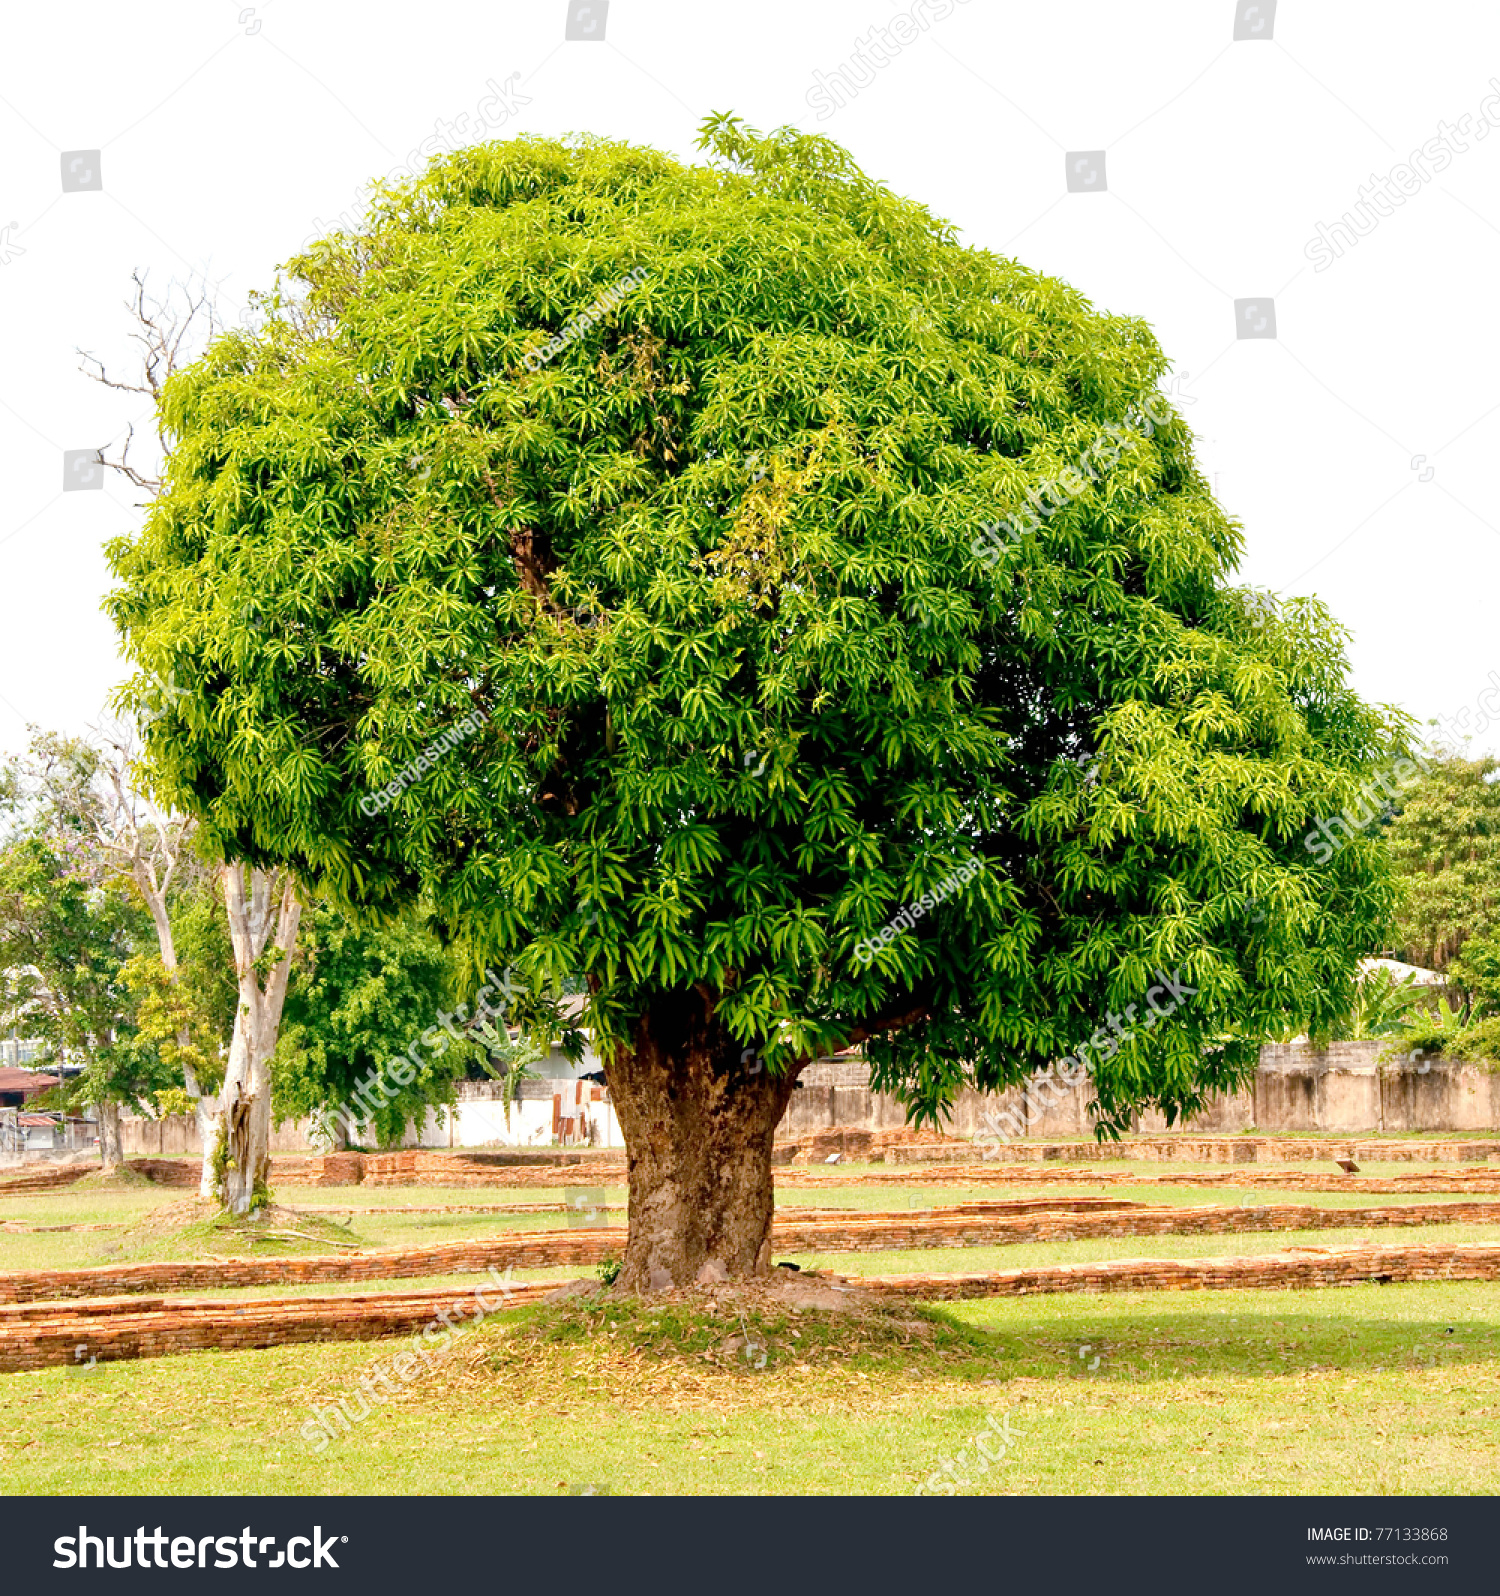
[902,1198]
[1357,1390]
[1364,1389]
[1032,1173]
[926,1260]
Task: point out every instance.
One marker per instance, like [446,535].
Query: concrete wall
[477,1119]
[1346,1088]
[1343,1089]
[178,1133]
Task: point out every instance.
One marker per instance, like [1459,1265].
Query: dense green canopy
[708,562]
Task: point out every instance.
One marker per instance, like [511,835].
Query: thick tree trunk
[698,1121]
[111,1153]
[241,1157]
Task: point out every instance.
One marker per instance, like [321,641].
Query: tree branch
[163,329]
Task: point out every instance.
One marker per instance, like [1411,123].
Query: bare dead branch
[167,331]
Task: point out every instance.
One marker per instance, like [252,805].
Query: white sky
[226,132]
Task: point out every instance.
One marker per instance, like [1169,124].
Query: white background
[228,132]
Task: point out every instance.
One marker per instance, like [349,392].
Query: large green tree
[681,575]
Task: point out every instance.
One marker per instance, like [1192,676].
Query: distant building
[18,1087]
[20,1052]
[1400,972]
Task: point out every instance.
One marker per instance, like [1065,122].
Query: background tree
[63,943]
[1383,1006]
[1445,843]
[707,558]
[358,1003]
[188,1014]
[1475,971]
[234,1127]
[500,1056]
[81,793]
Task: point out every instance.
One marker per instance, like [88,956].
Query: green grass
[944,1260]
[1070,1171]
[1348,1390]
[1357,1390]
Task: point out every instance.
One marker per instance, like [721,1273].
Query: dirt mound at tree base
[783,1289]
[785,1319]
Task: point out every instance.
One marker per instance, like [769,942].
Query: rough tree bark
[242,1129]
[698,1122]
[699,1116]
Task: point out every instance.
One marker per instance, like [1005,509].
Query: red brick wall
[1333,1266]
[969,1225]
[50,1333]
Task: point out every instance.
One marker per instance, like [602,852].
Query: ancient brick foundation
[909,1147]
[420,1167]
[37,1335]
[979,1224]
[1467,1180]
[1299,1269]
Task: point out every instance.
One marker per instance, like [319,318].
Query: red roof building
[20,1086]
